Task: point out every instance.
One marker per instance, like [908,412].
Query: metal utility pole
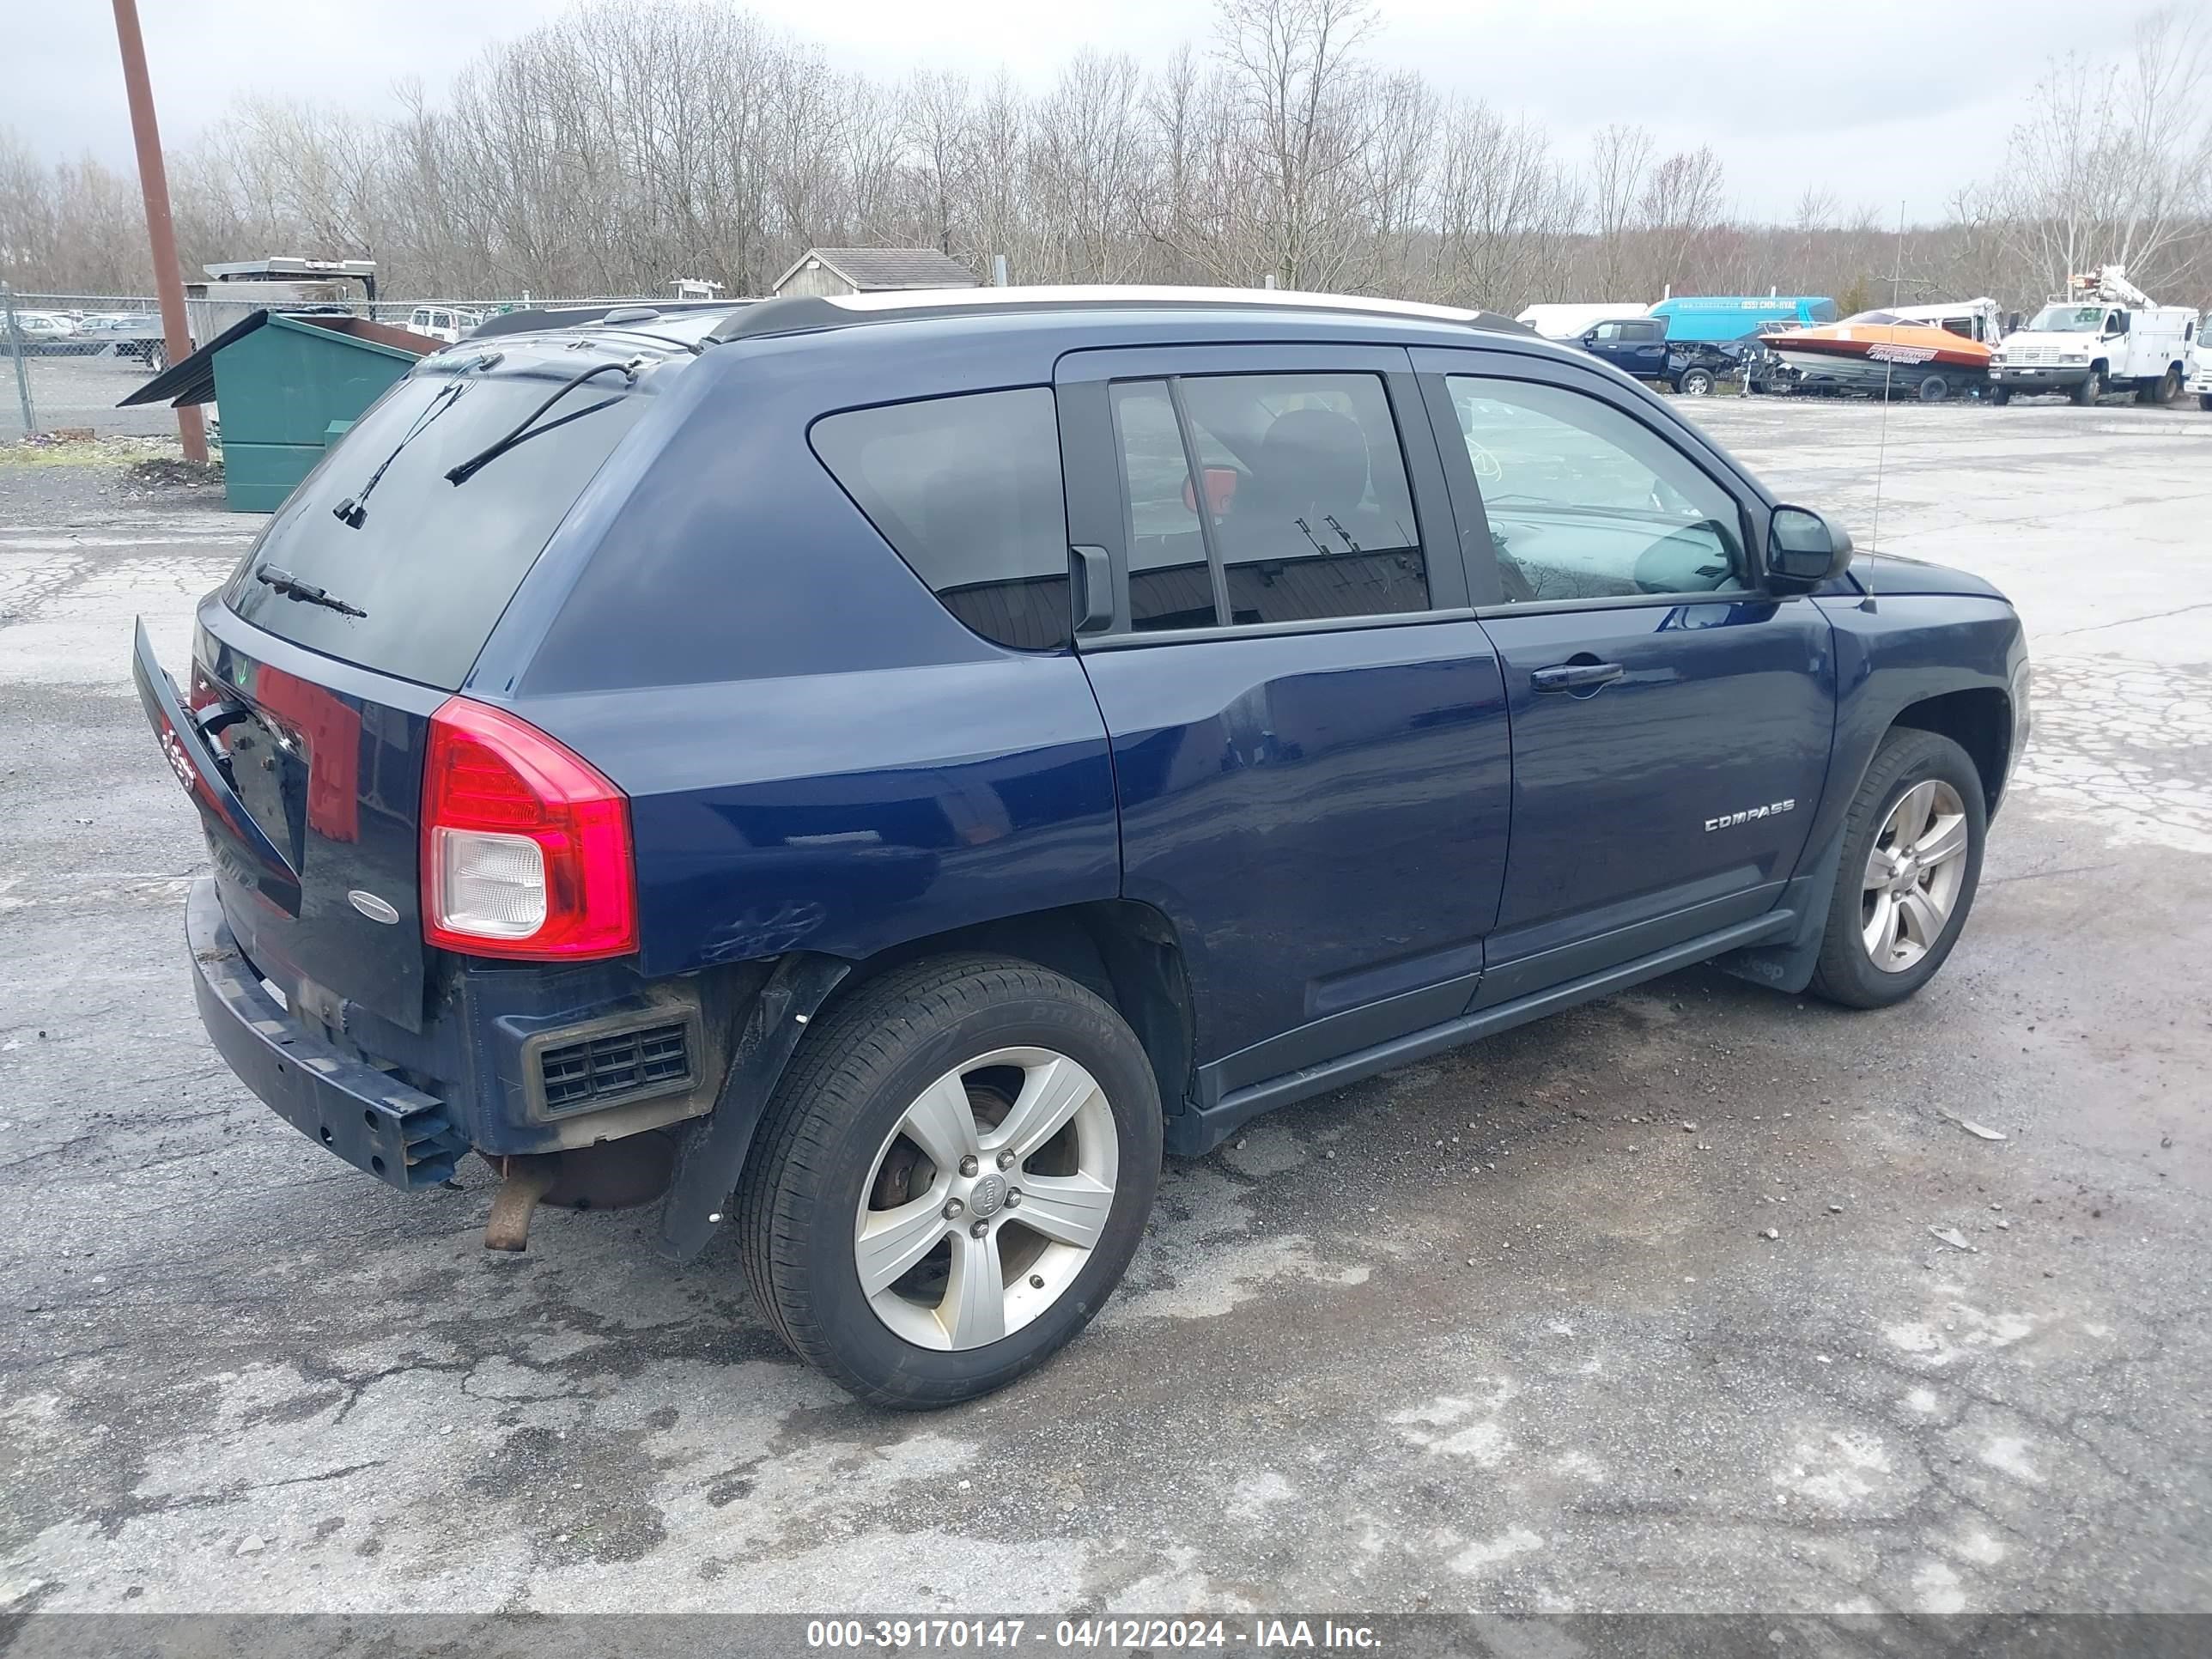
[161,234]
[15,337]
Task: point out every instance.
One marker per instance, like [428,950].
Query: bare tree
[1619,155]
[2114,163]
[1677,210]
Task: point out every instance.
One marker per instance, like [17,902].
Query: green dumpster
[289,385]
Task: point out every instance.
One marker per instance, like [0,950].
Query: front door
[1671,724]
[1308,724]
[1634,345]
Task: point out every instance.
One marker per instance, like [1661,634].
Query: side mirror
[1803,550]
[1590,338]
[2012,320]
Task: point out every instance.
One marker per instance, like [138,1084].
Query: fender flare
[709,1159]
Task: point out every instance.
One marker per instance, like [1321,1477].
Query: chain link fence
[66,360]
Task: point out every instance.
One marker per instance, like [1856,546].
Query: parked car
[136,334]
[866,774]
[447,323]
[44,334]
[1639,347]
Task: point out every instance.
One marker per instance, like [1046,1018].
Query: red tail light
[526,847]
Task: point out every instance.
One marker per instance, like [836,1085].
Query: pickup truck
[1638,346]
[867,774]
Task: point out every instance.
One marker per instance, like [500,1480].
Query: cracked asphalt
[1502,1331]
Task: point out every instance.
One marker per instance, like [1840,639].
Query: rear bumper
[368,1117]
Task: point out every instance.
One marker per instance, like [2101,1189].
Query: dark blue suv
[871,775]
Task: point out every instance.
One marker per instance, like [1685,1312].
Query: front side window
[1300,501]
[1585,503]
[968,491]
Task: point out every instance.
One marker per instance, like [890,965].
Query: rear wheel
[950,1179]
[1695,382]
[2091,389]
[1933,389]
[2165,389]
[1912,859]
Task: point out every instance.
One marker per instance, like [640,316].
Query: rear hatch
[364,604]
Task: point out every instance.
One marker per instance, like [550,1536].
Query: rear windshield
[432,563]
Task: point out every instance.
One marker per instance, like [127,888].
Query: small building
[828,271]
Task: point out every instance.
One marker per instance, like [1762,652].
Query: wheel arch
[1979,718]
[1125,952]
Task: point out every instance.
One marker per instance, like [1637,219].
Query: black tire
[1933,389]
[2090,390]
[1846,973]
[2169,385]
[1999,395]
[853,1078]
[1695,383]
[2204,402]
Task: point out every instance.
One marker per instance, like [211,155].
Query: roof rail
[811,313]
[530,318]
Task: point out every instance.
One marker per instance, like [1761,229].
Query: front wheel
[2204,402]
[950,1179]
[1912,859]
[1933,389]
[1999,395]
[2089,389]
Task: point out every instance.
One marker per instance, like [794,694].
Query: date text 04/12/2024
[1110,1635]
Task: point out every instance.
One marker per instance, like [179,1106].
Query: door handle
[1094,590]
[1576,676]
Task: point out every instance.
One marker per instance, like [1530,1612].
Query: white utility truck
[2104,335]
[2200,375]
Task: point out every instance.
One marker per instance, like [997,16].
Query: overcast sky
[1878,101]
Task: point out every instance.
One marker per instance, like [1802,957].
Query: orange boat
[1928,354]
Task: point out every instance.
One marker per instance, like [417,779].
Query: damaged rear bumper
[369,1118]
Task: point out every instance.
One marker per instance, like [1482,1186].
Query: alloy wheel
[1914,875]
[987,1199]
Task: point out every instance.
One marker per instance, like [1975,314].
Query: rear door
[1671,725]
[316,667]
[1307,723]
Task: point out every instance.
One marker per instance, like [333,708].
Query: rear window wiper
[307,593]
[498,447]
[353,512]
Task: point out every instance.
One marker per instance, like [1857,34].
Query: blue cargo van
[1717,317]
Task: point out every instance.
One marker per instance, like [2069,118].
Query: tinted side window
[968,491]
[1585,502]
[1170,584]
[1303,492]
[1639,331]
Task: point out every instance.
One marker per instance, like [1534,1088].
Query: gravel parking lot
[1698,1299]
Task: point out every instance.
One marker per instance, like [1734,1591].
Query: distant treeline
[629,144]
